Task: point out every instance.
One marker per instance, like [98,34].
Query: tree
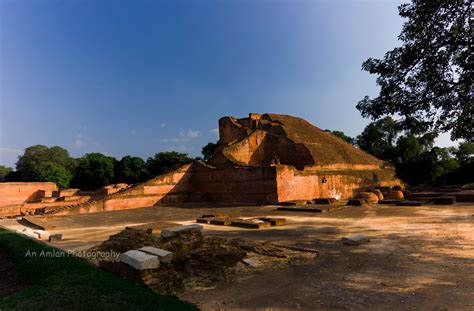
[50,171]
[130,170]
[4,171]
[465,152]
[208,151]
[164,162]
[419,162]
[40,163]
[378,138]
[428,80]
[94,170]
[342,136]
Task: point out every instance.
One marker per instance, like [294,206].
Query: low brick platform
[444,201]
[410,203]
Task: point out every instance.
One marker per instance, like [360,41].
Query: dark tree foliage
[414,157]
[164,162]
[4,171]
[428,81]
[130,170]
[342,136]
[465,152]
[379,137]
[94,170]
[208,151]
[40,163]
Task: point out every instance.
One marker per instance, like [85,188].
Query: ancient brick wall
[237,185]
[335,181]
[12,193]
[173,187]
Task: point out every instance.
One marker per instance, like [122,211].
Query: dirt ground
[419,258]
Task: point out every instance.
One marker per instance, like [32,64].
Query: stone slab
[153,227]
[293,203]
[204,220]
[302,209]
[253,262]
[274,221]
[140,260]
[164,255]
[173,231]
[55,237]
[250,224]
[42,234]
[357,202]
[311,208]
[355,239]
[329,201]
[27,232]
[224,221]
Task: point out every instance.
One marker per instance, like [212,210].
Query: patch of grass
[73,284]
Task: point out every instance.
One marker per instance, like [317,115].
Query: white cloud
[190,134]
[215,131]
[79,143]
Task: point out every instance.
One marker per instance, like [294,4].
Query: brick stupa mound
[261,159]
[266,139]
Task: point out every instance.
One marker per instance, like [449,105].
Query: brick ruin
[262,159]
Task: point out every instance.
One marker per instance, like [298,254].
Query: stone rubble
[355,239]
[163,255]
[140,260]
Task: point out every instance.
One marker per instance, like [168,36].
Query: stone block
[55,237]
[253,262]
[274,221]
[357,202]
[369,197]
[140,260]
[42,234]
[204,220]
[355,239]
[250,224]
[173,231]
[378,193]
[444,201]
[27,232]
[221,221]
[293,203]
[396,195]
[326,201]
[164,255]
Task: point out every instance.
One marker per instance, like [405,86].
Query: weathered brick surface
[19,192]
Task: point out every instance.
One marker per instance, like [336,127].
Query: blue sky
[139,77]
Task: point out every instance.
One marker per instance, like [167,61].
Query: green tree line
[415,157]
[92,171]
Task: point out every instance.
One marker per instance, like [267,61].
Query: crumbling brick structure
[265,158]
